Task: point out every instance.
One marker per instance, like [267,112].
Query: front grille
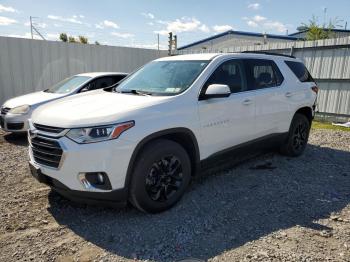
[47,152]
[4,110]
[15,126]
[49,129]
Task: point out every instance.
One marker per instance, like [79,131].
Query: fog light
[95,180]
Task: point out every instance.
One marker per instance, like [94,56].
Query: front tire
[298,136]
[160,177]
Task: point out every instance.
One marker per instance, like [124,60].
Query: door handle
[247,102]
[288,94]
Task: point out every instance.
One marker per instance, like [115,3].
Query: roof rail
[268,53]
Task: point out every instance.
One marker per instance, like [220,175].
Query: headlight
[98,133]
[20,110]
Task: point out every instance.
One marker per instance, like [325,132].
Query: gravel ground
[267,208]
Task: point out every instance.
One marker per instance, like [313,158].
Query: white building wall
[28,65]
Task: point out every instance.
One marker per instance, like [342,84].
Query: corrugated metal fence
[30,65]
[328,61]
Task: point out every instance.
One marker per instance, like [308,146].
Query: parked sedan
[16,111]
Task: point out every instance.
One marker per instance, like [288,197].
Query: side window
[300,71]
[99,83]
[229,73]
[263,74]
[118,78]
[102,83]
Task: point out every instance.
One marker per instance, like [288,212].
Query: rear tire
[160,177]
[298,136]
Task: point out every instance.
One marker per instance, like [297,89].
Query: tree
[97,43]
[63,37]
[316,31]
[83,39]
[71,39]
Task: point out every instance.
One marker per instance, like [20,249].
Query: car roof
[211,56]
[97,74]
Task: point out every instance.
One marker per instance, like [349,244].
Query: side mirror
[86,88]
[216,91]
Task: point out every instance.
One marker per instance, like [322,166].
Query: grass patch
[324,125]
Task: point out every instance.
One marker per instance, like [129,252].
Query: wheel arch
[306,111]
[183,136]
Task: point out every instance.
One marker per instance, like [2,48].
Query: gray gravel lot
[268,208]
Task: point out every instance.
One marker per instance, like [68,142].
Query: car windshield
[162,78]
[68,84]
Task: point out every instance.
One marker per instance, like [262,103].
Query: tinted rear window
[300,71]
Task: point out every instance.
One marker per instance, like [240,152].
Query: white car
[143,140]
[16,111]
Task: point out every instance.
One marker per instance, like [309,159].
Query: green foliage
[71,39]
[97,43]
[83,39]
[63,37]
[317,31]
[324,125]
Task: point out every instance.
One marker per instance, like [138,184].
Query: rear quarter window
[300,71]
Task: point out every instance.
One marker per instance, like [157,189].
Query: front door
[227,122]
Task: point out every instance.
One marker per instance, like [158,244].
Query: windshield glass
[68,84]
[163,77]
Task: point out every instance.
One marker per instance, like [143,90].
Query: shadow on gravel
[223,210]
[19,139]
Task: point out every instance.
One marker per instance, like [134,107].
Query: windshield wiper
[136,92]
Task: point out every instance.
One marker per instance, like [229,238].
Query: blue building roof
[333,30]
[232,32]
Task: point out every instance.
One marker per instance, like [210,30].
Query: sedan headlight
[20,110]
[98,133]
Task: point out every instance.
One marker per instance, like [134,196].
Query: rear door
[271,107]
[226,122]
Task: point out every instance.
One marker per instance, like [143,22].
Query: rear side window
[263,74]
[300,71]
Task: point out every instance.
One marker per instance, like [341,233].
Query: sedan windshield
[162,78]
[68,84]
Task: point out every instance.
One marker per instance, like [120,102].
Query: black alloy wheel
[164,179]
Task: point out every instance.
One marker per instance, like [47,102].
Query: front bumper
[14,123]
[114,198]
[110,157]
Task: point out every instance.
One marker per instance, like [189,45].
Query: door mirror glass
[217,91]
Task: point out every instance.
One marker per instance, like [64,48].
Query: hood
[31,99]
[93,108]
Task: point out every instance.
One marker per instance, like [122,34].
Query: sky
[136,23]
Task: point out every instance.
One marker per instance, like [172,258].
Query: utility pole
[170,43]
[33,28]
[158,41]
[175,42]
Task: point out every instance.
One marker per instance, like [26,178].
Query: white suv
[143,140]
